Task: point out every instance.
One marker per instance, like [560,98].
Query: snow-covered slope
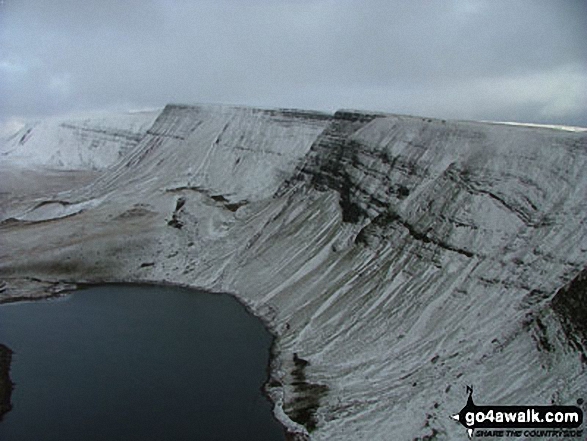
[396,259]
[86,141]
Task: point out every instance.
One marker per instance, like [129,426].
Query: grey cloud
[438,58]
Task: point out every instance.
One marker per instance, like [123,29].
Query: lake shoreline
[6,385]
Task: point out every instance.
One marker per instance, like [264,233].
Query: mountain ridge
[395,258]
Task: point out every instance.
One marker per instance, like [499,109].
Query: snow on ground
[397,259]
[85,141]
[548,126]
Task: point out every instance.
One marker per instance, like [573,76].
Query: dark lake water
[137,363]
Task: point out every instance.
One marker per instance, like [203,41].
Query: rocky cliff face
[397,259]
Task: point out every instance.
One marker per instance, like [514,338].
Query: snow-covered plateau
[396,259]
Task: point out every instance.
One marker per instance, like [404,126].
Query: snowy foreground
[396,259]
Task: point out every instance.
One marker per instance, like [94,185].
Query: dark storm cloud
[476,59]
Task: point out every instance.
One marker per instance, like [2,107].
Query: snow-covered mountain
[86,142]
[397,259]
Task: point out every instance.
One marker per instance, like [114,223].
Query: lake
[124,362]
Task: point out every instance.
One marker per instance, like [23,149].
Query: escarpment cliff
[396,259]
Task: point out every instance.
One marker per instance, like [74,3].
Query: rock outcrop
[5,382]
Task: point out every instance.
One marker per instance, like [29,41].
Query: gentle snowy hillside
[397,259]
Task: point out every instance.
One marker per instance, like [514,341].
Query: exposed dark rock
[402,192]
[332,158]
[307,396]
[6,385]
[427,239]
[389,218]
[219,198]
[135,212]
[43,203]
[235,206]
[541,337]
[175,222]
[179,204]
[570,304]
[118,135]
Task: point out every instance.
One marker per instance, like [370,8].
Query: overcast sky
[511,60]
